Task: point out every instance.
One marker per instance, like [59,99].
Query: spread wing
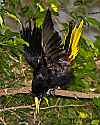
[51,40]
[33,37]
[47,41]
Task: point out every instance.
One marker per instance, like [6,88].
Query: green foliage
[97,43]
[95,122]
[14,72]
[94,23]
[96,101]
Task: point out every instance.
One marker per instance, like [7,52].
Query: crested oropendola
[48,58]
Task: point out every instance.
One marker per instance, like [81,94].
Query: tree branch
[98,12]
[75,94]
[13,91]
[57,92]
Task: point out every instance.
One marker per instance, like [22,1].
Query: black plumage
[46,57]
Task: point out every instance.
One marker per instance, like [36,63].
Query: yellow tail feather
[73,46]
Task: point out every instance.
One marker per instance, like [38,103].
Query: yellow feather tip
[74,40]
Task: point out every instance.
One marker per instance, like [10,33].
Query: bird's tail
[73,45]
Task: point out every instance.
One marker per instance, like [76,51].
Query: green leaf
[13,17]
[97,43]
[83,115]
[90,43]
[93,22]
[95,122]
[1,21]
[40,7]
[54,7]
[96,101]
[17,42]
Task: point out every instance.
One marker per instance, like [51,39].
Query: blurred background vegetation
[14,71]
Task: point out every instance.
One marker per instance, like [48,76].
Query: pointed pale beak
[37,104]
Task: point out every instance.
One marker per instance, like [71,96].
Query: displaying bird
[50,62]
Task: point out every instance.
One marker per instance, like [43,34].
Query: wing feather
[33,37]
[51,40]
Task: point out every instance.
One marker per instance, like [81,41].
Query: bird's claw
[51,92]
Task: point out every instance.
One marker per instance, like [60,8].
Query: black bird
[45,54]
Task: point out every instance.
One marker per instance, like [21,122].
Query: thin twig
[2,120]
[11,57]
[43,108]
[62,106]
[98,12]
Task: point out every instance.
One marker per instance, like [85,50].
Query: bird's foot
[51,92]
[36,104]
